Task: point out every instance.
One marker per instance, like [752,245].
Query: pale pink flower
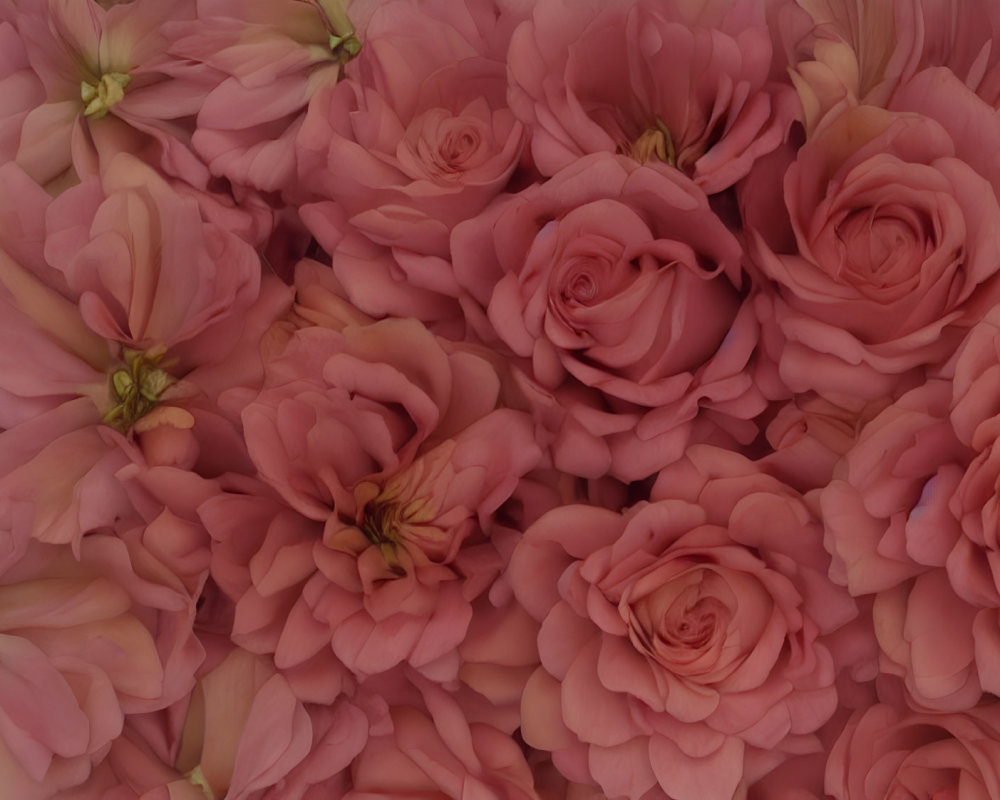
[851,52]
[685,83]
[104,90]
[431,749]
[86,642]
[889,524]
[396,582]
[418,136]
[261,62]
[148,268]
[621,293]
[895,254]
[891,752]
[679,640]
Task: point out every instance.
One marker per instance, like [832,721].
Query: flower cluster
[485,399]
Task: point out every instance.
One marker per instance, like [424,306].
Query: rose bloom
[892,522]
[621,291]
[888,752]
[418,135]
[682,83]
[896,253]
[679,640]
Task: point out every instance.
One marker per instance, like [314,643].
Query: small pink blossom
[261,62]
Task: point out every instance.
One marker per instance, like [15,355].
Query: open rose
[678,641]
[617,279]
[410,150]
[890,519]
[898,253]
[886,752]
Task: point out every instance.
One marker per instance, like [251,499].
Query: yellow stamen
[654,142]
[197,778]
[99,97]
[136,388]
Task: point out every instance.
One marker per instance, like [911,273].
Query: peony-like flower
[888,752]
[617,279]
[392,440]
[677,82]
[678,642]
[339,408]
[100,72]
[898,253]
[396,582]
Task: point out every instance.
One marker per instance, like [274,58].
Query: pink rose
[418,136]
[888,752]
[678,642]
[889,523]
[898,250]
[621,291]
[682,83]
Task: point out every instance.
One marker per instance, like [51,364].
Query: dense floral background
[515,399]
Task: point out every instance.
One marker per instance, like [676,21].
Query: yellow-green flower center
[99,97]
[197,778]
[654,142]
[136,388]
[344,47]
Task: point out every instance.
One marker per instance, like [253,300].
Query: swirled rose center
[99,97]
[882,246]
[442,146]
[582,287]
[691,620]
